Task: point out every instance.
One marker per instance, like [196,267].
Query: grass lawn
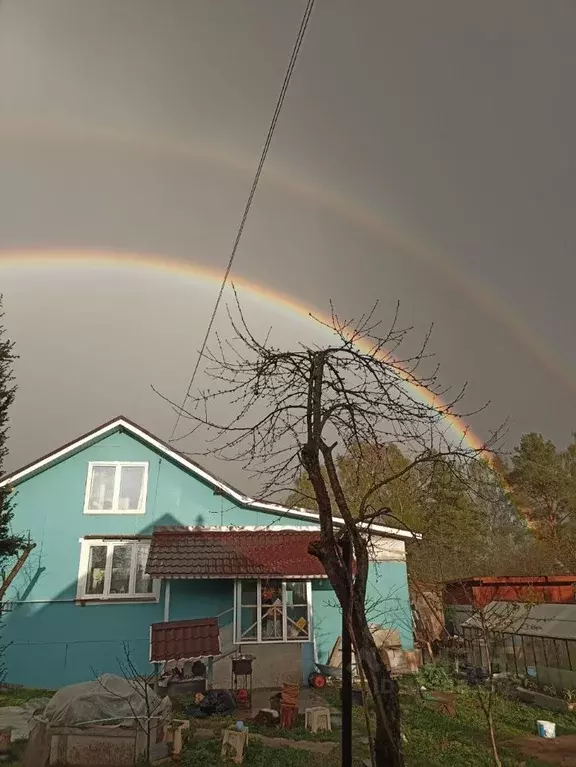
[432,738]
[435,739]
[19,695]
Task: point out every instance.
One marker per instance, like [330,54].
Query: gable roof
[163,448]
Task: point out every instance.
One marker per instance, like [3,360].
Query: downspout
[167,601]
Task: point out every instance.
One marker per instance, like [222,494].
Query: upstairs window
[273,611]
[116,488]
[115,569]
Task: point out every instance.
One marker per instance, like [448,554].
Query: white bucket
[546,729]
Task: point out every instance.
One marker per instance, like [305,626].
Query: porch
[260,588]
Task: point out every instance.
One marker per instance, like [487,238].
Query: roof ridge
[219,486]
[186,530]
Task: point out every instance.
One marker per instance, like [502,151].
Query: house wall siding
[387,602]
[54,641]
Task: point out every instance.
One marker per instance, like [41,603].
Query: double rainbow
[211,278]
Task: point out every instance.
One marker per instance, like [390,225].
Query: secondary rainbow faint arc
[397,236]
[198,273]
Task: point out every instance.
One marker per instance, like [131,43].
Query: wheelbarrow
[318,679]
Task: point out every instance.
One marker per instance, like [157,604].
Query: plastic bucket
[546,729]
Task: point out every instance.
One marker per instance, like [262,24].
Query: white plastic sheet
[110,699]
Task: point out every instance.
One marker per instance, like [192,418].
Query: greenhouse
[537,641]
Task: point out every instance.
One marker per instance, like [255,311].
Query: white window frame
[131,596]
[118,465]
[239,640]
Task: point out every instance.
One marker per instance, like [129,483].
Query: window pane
[121,563]
[248,624]
[550,653]
[572,654]
[249,590]
[96,570]
[131,488]
[271,591]
[102,488]
[143,583]
[272,622]
[562,652]
[297,622]
[296,593]
[539,655]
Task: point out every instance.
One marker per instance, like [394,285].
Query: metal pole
[346,671]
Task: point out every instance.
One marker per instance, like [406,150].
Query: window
[273,611]
[115,570]
[116,488]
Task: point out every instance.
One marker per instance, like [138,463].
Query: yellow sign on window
[301,623]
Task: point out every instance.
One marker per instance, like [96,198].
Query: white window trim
[238,640]
[82,596]
[115,509]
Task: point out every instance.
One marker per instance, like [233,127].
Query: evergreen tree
[9,543]
[468,520]
[543,484]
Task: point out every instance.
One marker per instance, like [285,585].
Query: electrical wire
[271,129]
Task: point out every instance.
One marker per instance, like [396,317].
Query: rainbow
[391,230]
[212,278]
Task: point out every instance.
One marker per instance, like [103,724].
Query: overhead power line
[271,129]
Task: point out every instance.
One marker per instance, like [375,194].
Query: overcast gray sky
[425,153]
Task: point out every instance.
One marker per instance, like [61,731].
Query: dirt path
[313,746]
[560,752]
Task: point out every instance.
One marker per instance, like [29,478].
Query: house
[130,534]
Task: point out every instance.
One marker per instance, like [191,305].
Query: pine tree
[9,543]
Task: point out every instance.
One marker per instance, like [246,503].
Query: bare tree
[294,409]
[491,633]
[143,684]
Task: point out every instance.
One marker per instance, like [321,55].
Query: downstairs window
[115,569]
[270,610]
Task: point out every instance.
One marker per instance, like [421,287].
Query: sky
[425,154]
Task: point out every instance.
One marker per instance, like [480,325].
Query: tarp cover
[110,699]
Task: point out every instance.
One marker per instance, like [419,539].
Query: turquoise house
[130,534]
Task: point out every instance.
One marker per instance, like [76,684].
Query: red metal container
[478,592]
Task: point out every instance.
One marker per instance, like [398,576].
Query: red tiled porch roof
[179,640]
[183,552]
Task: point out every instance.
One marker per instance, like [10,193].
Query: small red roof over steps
[179,640]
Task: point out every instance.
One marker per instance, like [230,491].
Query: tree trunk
[384,689]
[493,744]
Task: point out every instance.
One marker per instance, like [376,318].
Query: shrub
[434,676]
